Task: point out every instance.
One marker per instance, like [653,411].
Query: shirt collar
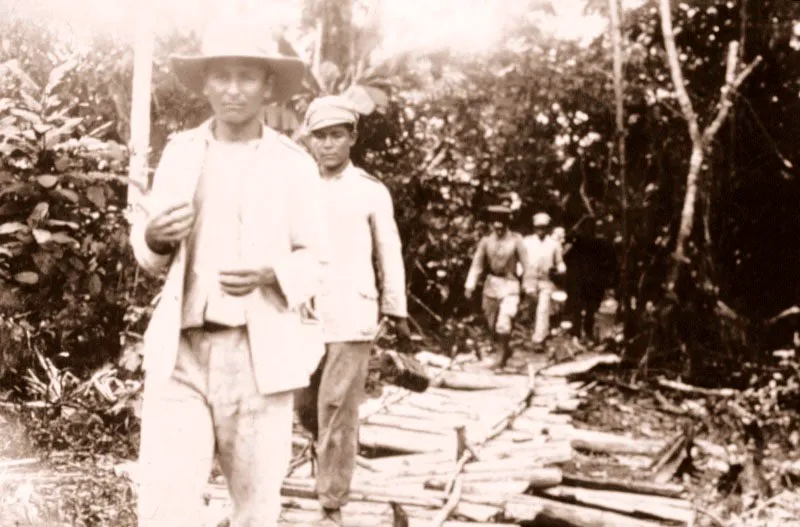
[205,133]
[345,172]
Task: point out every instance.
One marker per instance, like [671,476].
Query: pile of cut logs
[485,449]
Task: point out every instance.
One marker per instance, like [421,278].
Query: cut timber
[474,509]
[504,482]
[580,366]
[605,442]
[414,424]
[638,487]
[528,508]
[632,504]
[463,380]
[400,440]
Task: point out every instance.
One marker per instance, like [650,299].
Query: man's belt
[215,327]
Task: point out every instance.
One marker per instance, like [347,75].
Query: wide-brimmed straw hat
[241,38]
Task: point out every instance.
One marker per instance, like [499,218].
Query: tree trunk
[140,103]
[687,214]
[615,10]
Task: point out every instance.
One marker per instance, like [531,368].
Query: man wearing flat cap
[364,281]
[233,219]
[498,256]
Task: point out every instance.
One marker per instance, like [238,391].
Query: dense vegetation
[448,133]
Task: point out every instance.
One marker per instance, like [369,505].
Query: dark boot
[503,350]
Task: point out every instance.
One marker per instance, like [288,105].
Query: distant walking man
[364,280]
[233,218]
[544,259]
[497,256]
[592,268]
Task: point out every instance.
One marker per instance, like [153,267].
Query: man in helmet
[497,256]
[544,258]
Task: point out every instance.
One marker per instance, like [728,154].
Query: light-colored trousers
[337,398]
[211,404]
[500,312]
[541,298]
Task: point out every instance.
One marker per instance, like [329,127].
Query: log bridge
[480,449]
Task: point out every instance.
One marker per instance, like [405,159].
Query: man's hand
[240,282]
[403,333]
[169,227]
[468,293]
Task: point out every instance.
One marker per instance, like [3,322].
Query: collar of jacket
[205,133]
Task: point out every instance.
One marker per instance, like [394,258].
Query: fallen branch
[637,487]
[452,502]
[687,388]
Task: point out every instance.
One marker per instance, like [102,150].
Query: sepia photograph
[399,263]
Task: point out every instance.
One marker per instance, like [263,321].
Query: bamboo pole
[140,103]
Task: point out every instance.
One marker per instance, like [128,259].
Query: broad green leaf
[379,96]
[42,236]
[61,223]
[97,197]
[63,238]
[44,261]
[47,180]
[39,213]
[13,67]
[12,227]
[67,194]
[57,75]
[26,115]
[32,103]
[15,188]
[360,99]
[95,285]
[27,277]
[42,129]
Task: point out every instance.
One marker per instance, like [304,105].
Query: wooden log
[473,381]
[632,504]
[529,508]
[400,440]
[580,366]
[305,518]
[514,481]
[413,424]
[637,487]
[462,380]
[492,459]
[605,442]
[473,508]
[305,488]
[697,390]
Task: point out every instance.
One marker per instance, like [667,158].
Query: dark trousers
[583,302]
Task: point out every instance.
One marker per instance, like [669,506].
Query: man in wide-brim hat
[234,219]
[498,256]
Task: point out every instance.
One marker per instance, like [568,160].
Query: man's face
[499,226]
[237,89]
[540,231]
[331,145]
